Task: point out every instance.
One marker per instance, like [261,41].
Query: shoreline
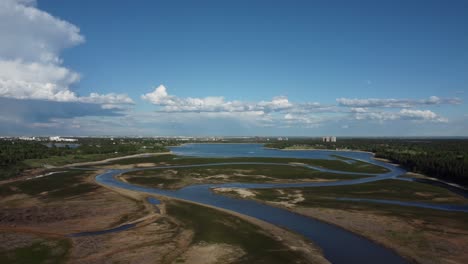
[316,149]
[340,226]
[292,210]
[291,239]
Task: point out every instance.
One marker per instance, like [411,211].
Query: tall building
[329,139]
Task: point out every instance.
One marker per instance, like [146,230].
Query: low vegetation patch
[250,173]
[386,189]
[215,227]
[56,186]
[28,249]
[337,164]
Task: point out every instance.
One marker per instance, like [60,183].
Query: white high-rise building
[329,139]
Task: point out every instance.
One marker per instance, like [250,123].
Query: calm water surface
[338,245]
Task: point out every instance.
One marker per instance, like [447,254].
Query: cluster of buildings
[329,139]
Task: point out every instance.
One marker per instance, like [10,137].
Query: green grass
[249,173]
[68,159]
[323,197]
[45,252]
[213,226]
[58,186]
[385,189]
[357,166]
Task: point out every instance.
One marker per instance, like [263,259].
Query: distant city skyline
[235,68]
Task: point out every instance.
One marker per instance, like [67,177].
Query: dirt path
[32,176]
[113,159]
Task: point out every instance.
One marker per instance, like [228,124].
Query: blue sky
[357,68]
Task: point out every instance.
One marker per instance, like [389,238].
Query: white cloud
[278,103]
[36,81]
[403,114]
[110,100]
[421,115]
[281,112]
[305,120]
[395,103]
[30,63]
[170,103]
[32,34]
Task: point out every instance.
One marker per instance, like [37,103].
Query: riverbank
[198,221]
[420,235]
[294,241]
[49,169]
[38,213]
[317,149]
[174,177]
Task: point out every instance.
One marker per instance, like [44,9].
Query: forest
[446,159]
[14,152]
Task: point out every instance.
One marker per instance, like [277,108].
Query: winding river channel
[338,245]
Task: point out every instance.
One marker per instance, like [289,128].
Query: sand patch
[218,176]
[244,193]
[291,199]
[211,253]
[145,165]
[424,194]
[297,163]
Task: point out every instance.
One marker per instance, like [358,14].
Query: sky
[233,68]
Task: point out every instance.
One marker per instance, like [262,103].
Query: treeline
[446,159]
[13,153]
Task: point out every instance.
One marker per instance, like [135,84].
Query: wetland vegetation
[422,235]
[446,159]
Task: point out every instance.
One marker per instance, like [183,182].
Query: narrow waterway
[338,245]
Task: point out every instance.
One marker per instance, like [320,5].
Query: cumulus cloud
[170,103]
[281,112]
[32,34]
[306,120]
[403,114]
[30,63]
[395,103]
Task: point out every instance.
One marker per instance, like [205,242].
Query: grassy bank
[248,173]
[422,235]
[53,187]
[213,226]
[339,164]
[37,250]
[386,189]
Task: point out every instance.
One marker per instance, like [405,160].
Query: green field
[56,186]
[213,226]
[385,189]
[50,251]
[339,164]
[68,159]
[251,173]
[324,197]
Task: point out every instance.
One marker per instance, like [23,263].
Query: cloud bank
[30,63]
[217,104]
[281,112]
[396,103]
